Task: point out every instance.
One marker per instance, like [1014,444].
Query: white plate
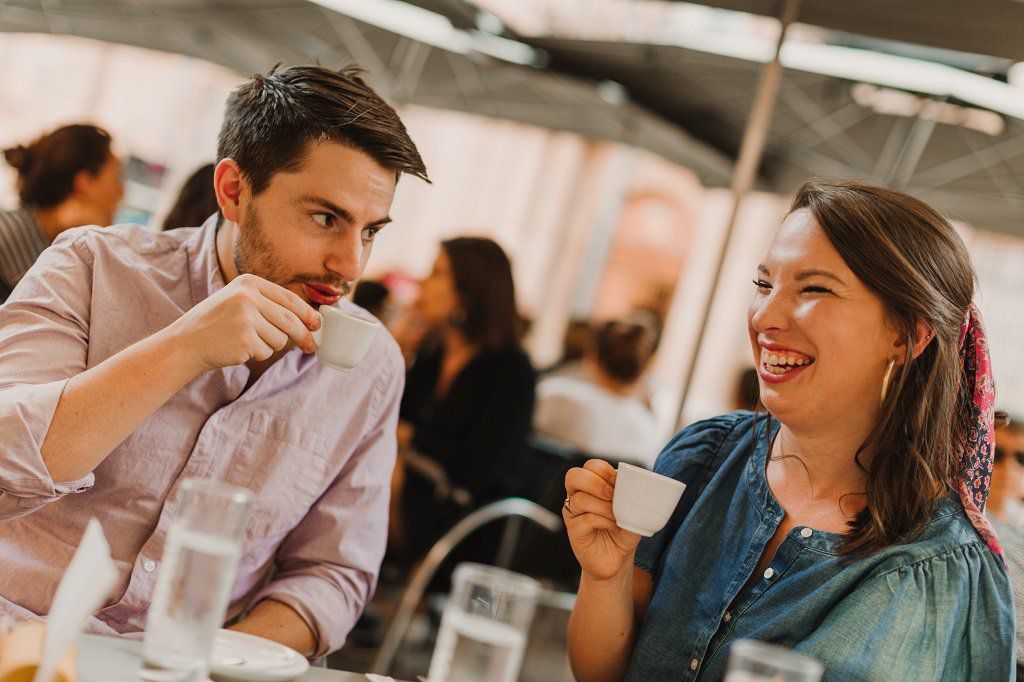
[240,657]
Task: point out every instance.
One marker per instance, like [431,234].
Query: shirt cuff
[330,622]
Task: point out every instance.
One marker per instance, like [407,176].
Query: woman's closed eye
[816,290]
[761,284]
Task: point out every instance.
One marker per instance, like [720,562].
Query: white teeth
[782,360]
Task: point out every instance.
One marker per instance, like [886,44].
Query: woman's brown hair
[483,279]
[47,167]
[913,260]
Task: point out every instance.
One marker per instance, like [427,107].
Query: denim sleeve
[691,457]
[949,617]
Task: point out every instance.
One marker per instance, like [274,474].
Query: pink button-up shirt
[315,445]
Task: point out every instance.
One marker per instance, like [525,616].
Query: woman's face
[438,299]
[821,340]
[101,193]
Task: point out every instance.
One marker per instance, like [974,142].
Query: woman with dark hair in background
[847,522]
[469,394]
[599,413]
[196,201]
[67,178]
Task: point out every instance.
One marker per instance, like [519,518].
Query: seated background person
[599,413]
[132,359]
[66,178]
[469,394]
[847,523]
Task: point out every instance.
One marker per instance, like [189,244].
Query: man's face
[312,229]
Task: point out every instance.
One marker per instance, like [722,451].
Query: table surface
[106,659]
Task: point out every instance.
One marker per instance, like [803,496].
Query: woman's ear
[925,335]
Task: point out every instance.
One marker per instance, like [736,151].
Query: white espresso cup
[644,501]
[343,339]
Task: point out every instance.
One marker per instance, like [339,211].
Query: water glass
[195,578]
[484,626]
[752,661]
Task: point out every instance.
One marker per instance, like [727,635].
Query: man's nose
[346,256]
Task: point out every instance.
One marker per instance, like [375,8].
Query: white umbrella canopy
[984,27]
[250,37]
[967,161]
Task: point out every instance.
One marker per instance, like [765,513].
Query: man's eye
[323,219]
[369,233]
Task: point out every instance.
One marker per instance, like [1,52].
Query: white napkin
[82,591]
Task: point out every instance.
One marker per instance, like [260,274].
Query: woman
[599,413]
[847,523]
[469,394]
[67,178]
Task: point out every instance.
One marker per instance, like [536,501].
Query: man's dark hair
[271,119]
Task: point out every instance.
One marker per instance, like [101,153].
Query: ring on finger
[568,506]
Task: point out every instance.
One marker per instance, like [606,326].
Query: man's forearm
[103,405]
[280,623]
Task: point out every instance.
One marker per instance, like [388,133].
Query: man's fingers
[286,321]
[307,315]
[272,336]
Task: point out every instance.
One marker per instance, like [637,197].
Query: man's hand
[249,319]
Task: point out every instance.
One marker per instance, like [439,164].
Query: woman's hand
[603,549]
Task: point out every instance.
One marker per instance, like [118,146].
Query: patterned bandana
[977,460]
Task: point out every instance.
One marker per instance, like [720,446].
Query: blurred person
[131,360]
[846,523]
[1006,513]
[374,297]
[600,414]
[469,394]
[578,337]
[66,178]
[197,200]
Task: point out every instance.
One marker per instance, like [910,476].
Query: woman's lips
[321,295]
[770,378]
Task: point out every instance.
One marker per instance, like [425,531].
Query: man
[131,360]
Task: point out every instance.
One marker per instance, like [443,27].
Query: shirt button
[149,565]
[727,617]
[806,533]
[769,573]
[694,664]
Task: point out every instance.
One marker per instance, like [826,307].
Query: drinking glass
[195,578]
[752,661]
[484,626]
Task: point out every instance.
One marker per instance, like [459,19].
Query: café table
[107,659]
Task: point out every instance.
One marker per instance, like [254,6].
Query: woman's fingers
[602,469]
[584,503]
[585,480]
[588,523]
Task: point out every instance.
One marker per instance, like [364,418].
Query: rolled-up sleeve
[44,332]
[327,566]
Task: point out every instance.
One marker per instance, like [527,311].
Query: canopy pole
[751,151]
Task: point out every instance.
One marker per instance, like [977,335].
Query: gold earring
[885,380]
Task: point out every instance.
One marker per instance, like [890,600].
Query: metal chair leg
[513,508]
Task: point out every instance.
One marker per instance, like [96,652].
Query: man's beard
[254,255]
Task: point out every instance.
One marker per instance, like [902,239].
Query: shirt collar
[205,277]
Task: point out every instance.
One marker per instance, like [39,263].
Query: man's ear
[227,183]
[925,335]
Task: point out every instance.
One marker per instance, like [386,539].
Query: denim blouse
[936,608]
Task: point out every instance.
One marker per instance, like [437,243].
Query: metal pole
[751,151]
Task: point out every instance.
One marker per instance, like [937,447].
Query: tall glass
[484,627]
[194,582]
[752,661]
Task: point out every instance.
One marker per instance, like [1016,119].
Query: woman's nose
[771,312]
